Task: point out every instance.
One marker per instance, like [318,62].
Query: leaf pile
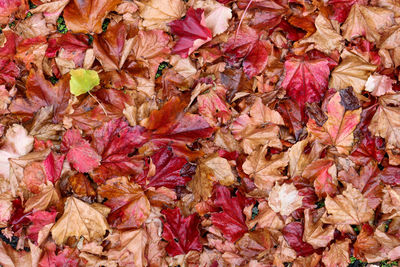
[199,133]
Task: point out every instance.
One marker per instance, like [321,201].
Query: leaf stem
[241,19]
[102,107]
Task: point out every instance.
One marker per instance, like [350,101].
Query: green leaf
[61,27]
[82,81]
[105,24]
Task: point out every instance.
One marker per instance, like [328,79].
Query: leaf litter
[199,133]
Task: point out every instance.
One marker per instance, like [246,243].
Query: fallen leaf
[217,16]
[265,172]
[326,38]
[338,130]
[379,85]
[17,143]
[82,81]
[324,175]
[338,254]
[79,152]
[181,233]
[293,233]
[11,257]
[192,32]
[298,160]
[41,201]
[266,218]
[41,93]
[284,199]
[87,17]
[352,71]
[40,219]
[348,208]
[386,121]
[157,13]
[306,80]
[88,222]
[130,249]
[366,21]
[231,220]
[210,170]
[314,232]
[129,206]
[114,141]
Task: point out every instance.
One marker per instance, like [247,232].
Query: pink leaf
[39,219]
[79,152]
[53,166]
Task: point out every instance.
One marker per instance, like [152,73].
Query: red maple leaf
[168,170]
[369,148]
[231,220]
[116,142]
[10,46]
[306,80]
[40,93]
[8,72]
[172,126]
[181,233]
[79,152]
[293,234]
[192,32]
[246,46]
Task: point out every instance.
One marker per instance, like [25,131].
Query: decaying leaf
[157,13]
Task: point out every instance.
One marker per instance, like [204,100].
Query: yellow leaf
[82,81]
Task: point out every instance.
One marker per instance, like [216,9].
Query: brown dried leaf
[314,232]
[386,121]
[348,208]
[157,13]
[352,71]
[79,219]
[326,38]
[265,172]
[128,248]
[367,21]
[337,255]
